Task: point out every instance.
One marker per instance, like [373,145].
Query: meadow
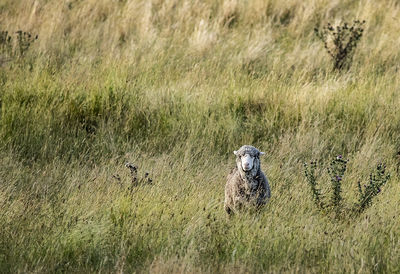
[175,87]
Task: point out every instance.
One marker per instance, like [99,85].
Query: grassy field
[174,87]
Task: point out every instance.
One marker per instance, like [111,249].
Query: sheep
[246,184]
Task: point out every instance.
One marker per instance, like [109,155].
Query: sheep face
[247,158]
[247,162]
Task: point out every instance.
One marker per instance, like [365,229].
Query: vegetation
[14,48]
[174,87]
[336,171]
[376,182]
[341,41]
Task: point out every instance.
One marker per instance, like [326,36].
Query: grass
[174,87]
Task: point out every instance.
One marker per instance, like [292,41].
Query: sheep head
[247,158]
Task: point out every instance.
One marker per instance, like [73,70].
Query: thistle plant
[15,46]
[134,175]
[5,44]
[341,41]
[336,172]
[376,181]
[312,182]
[24,41]
[133,170]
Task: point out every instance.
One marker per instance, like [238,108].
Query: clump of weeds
[15,45]
[341,41]
[135,179]
[336,171]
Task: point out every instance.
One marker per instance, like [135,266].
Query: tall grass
[175,87]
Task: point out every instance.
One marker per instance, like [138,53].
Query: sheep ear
[262,153]
[235,152]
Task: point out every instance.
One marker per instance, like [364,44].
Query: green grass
[177,97]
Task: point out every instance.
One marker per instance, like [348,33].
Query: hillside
[175,87]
